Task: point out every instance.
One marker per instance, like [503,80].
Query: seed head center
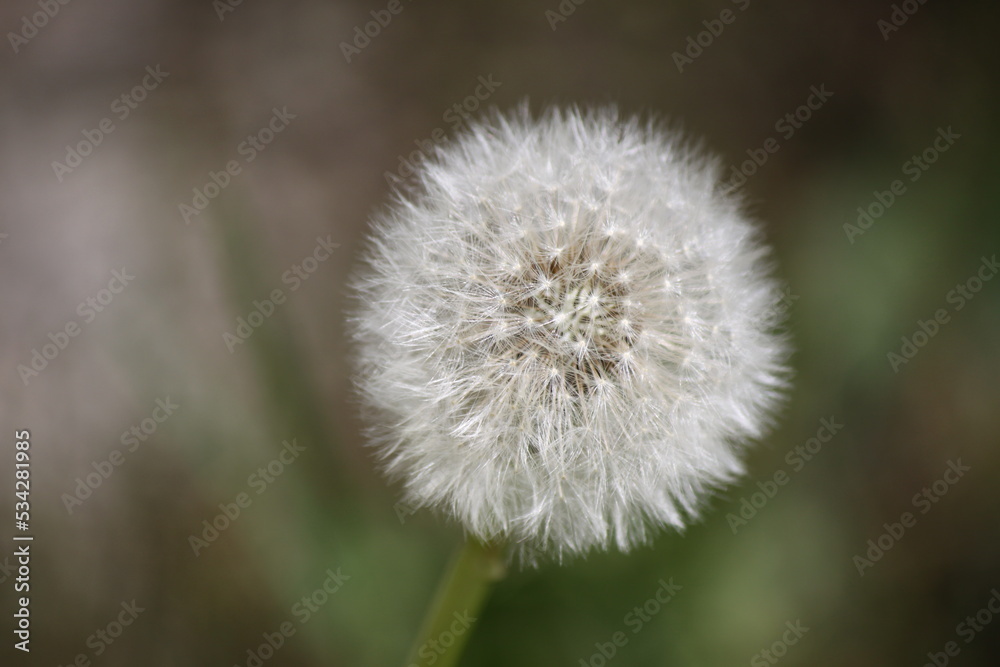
[575,320]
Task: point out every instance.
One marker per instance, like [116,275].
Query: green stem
[460,595]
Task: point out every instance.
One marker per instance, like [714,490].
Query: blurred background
[183,190]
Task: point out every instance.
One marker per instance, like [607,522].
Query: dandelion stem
[460,595]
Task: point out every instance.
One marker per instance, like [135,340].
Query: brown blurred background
[340,112]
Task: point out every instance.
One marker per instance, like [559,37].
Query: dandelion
[566,332]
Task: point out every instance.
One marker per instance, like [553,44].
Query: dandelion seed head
[566,332]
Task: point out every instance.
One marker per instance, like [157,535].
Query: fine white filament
[566,331]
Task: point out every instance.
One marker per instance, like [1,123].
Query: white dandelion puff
[566,331]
